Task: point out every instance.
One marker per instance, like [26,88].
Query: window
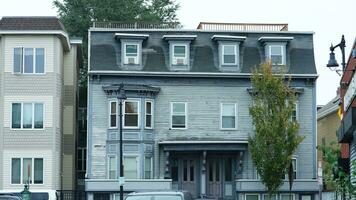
[27,170]
[29,60]
[179,115]
[27,116]
[148,167]
[81,159]
[113,114]
[131,114]
[287,197]
[112,167]
[179,55]
[294,163]
[252,197]
[228,116]
[148,114]
[295,113]
[131,167]
[275,54]
[229,55]
[269,197]
[131,55]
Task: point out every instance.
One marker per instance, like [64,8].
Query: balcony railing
[242,26]
[137,25]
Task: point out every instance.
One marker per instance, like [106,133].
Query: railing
[71,195]
[137,25]
[242,26]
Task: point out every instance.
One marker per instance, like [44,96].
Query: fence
[71,195]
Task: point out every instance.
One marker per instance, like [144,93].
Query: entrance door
[188,179]
[214,180]
[220,181]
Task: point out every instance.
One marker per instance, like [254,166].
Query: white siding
[38,153]
[48,107]
[45,42]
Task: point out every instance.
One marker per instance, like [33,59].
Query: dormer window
[229,55]
[131,50]
[276,54]
[179,51]
[229,51]
[179,55]
[275,49]
[131,56]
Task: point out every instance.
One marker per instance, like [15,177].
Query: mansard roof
[105,50]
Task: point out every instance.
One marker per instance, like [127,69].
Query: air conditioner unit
[131,60]
[179,61]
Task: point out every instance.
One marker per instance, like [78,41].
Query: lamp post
[332,61]
[121,96]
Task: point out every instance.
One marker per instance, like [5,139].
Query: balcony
[347,126]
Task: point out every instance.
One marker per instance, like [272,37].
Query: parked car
[9,196]
[160,195]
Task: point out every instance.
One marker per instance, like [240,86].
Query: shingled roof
[31,23]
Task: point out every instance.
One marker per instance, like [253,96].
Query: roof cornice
[62,34]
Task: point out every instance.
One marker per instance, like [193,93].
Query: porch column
[203,175]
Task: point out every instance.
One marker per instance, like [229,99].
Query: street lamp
[332,64]
[121,96]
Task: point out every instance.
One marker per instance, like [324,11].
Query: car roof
[158,192]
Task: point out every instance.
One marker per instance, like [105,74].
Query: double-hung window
[29,60]
[27,116]
[229,55]
[131,54]
[148,167]
[295,112]
[27,170]
[287,197]
[112,167]
[228,116]
[113,114]
[148,114]
[179,115]
[294,163]
[179,56]
[276,54]
[131,113]
[131,167]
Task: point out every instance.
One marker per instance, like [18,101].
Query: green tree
[78,15]
[276,137]
[334,174]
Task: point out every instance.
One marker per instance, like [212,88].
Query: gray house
[186,122]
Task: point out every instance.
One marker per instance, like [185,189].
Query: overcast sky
[329,19]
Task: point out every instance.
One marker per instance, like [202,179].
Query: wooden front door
[184,174]
[214,177]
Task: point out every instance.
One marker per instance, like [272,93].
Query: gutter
[187,74]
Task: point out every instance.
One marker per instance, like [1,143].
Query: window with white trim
[27,170]
[27,115]
[228,116]
[276,54]
[131,53]
[229,54]
[81,159]
[269,197]
[287,197]
[148,114]
[29,60]
[180,54]
[113,114]
[252,197]
[179,115]
[131,113]
[112,167]
[148,167]
[294,163]
[294,116]
[131,167]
